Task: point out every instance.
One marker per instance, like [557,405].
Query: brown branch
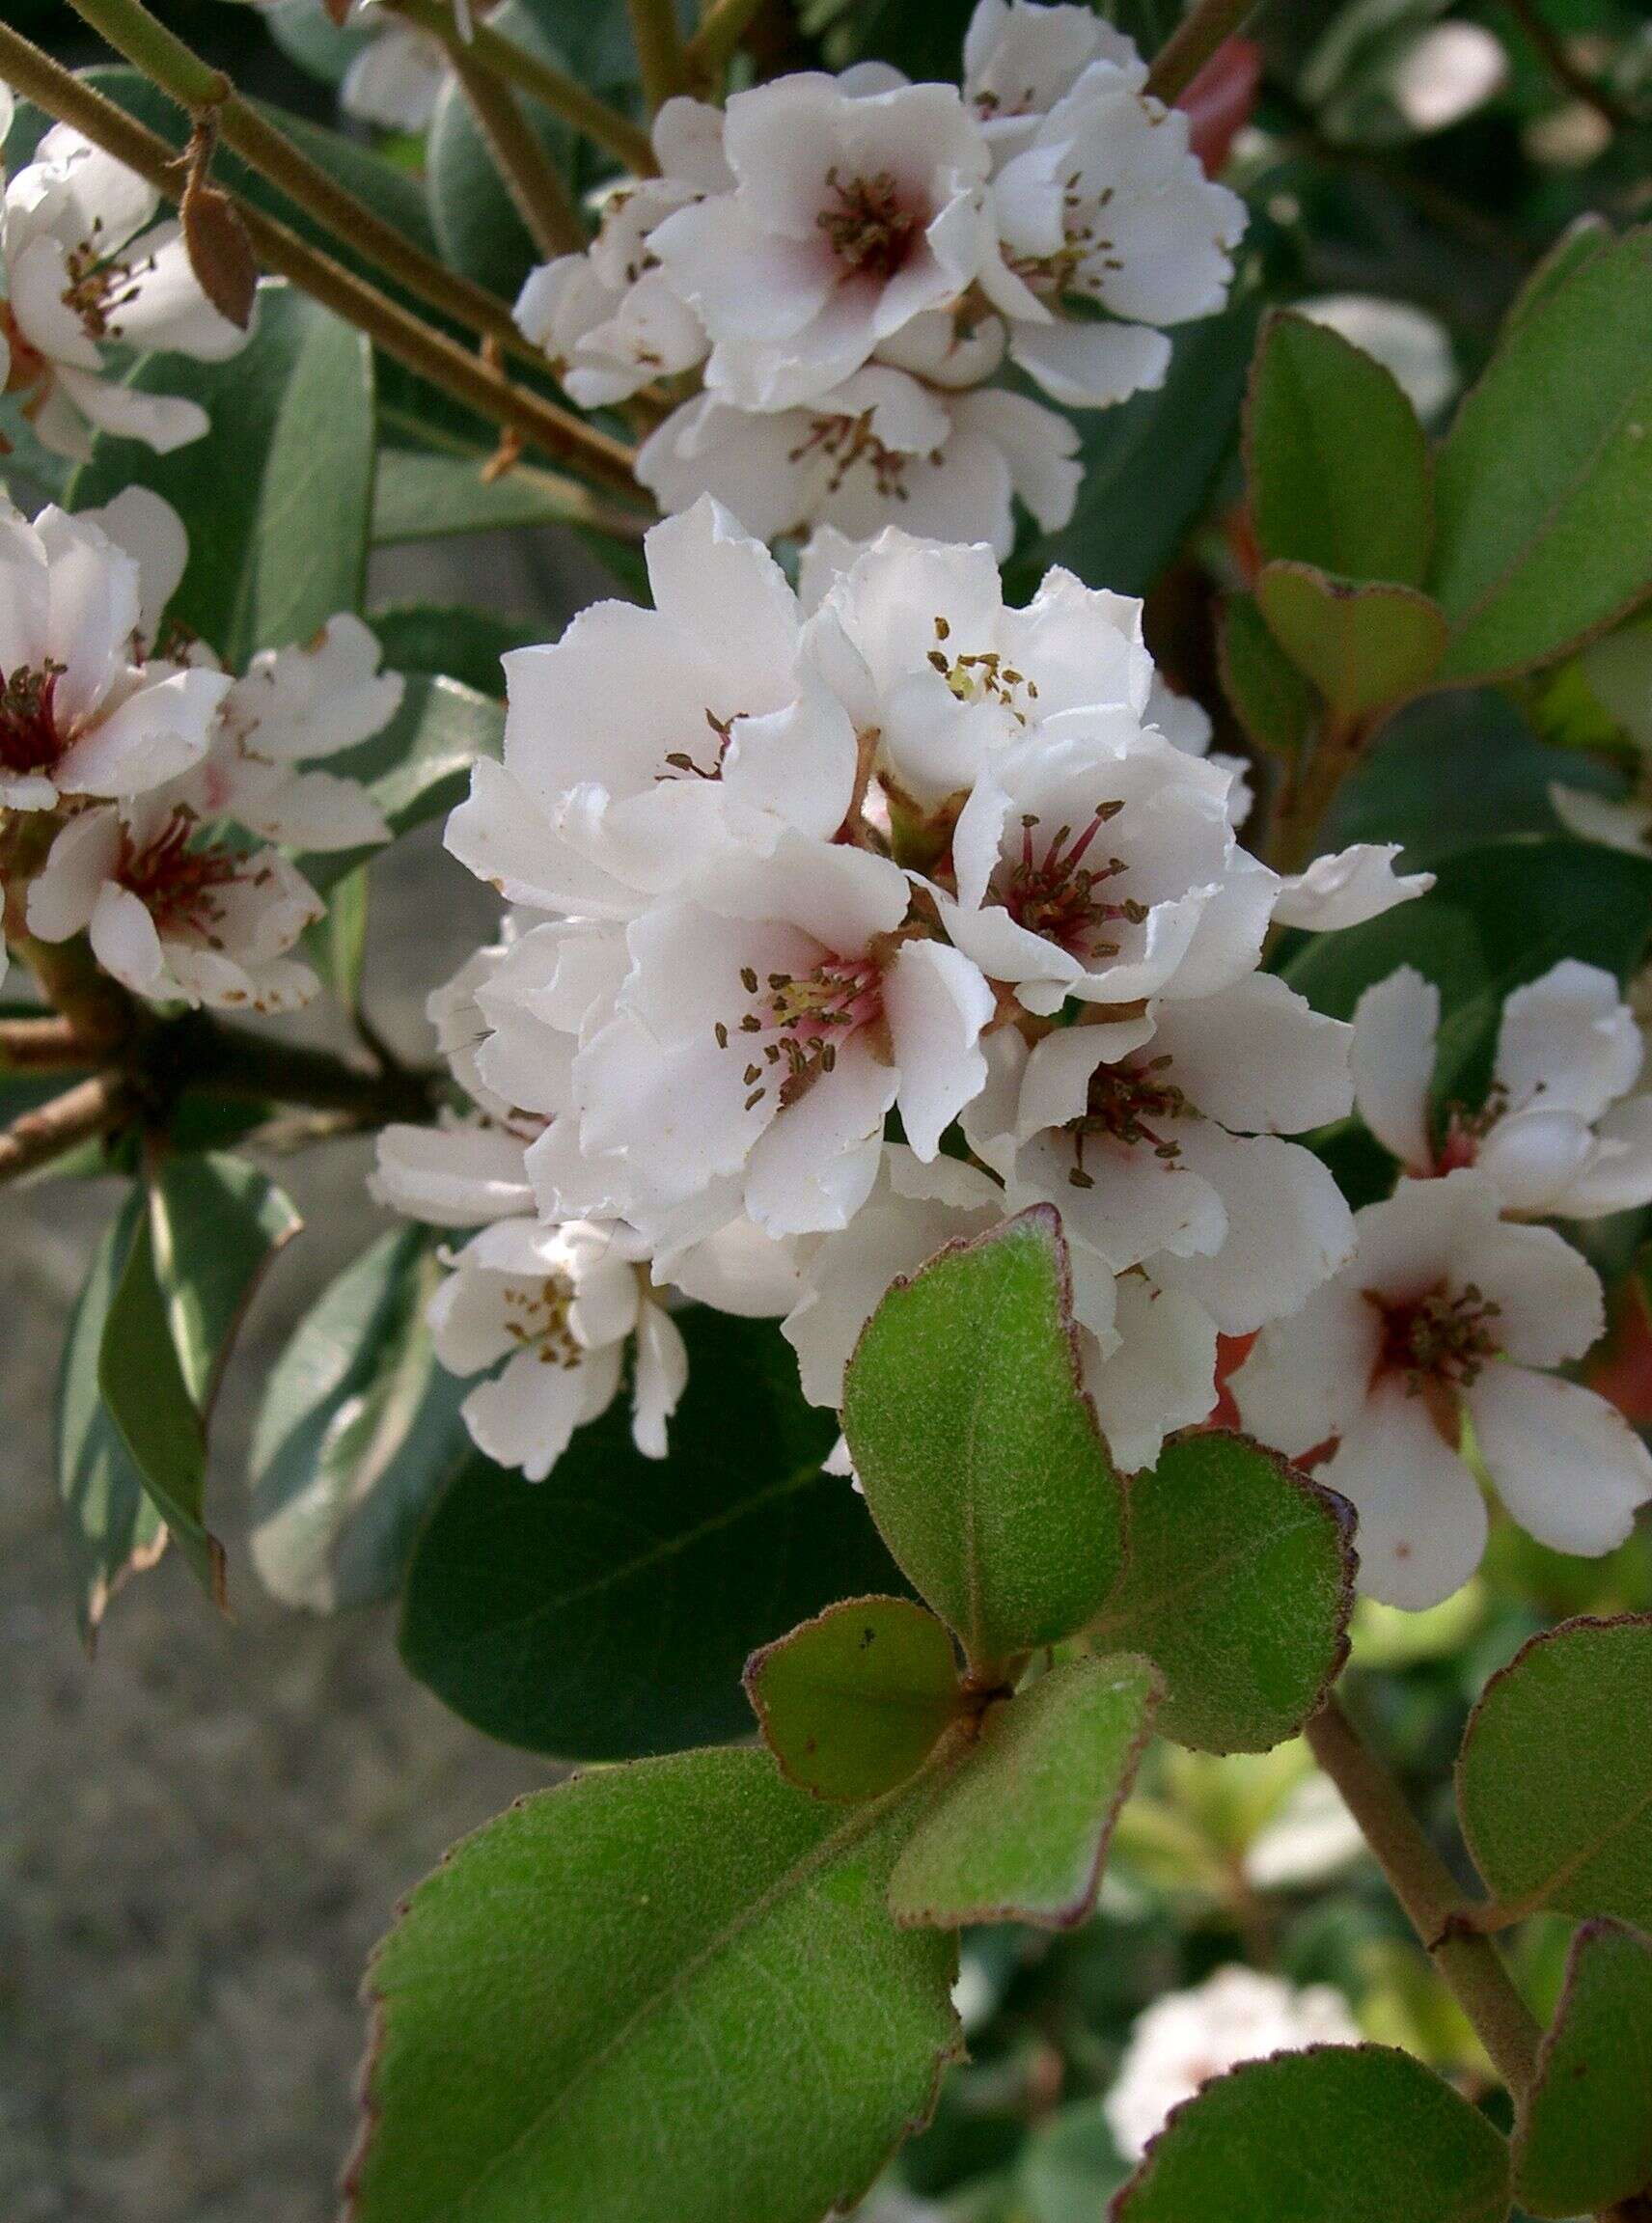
[1551,52]
[540,197]
[91,1108]
[1192,44]
[39,1046]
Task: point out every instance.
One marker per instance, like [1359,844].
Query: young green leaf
[1362,646]
[1333,2134]
[291,434]
[1583,2131]
[666,1989]
[1239,1586]
[976,1448]
[851,1704]
[1267,694]
[216,1223]
[358,1431]
[1335,459]
[609,1610]
[1018,1831]
[1555,1778]
[1544,487]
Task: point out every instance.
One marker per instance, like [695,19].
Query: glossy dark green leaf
[358,1431]
[1268,695]
[1544,487]
[609,1610]
[851,1703]
[452,643]
[1336,459]
[1583,2135]
[476,221]
[292,436]
[979,1452]
[422,495]
[1336,2135]
[1019,1824]
[216,1223]
[1555,1778]
[1239,1585]
[666,1989]
[1362,646]
[419,767]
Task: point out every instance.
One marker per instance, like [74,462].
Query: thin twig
[660,58]
[722,28]
[1192,44]
[479,384]
[541,199]
[91,1108]
[1552,52]
[1471,1966]
[39,1046]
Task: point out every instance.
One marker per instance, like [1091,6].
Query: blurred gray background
[204,1829]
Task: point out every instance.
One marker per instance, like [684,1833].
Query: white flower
[1184,2039]
[1559,1135]
[292,707]
[461,1174]
[765,1030]
[648,741]
[1446,1312]
[78,714]
[559,1305]
[916,639]
[1109,205]
[1020,59]
[851,214]
[81,269]
[174,916]
[1154,1373]
[397,77]
[1310,1838]
[1159,1141]
[1446,73]
[880,446]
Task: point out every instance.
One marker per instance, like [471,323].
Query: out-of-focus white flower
[1020,59]
[851,213]
[1448,1311]
[1405,340]
[1617,671]
[173,915]
[881,446]
[1311,1837]
[1445,74]
[80,715]
[1184,2039]
[1560,1135]
[85,265]
[397,77]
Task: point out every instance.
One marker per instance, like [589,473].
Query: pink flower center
[1056,896]
[683,763]
[1437,1338]
[536,1317]
[805,1018]
[29,738]
[1129,1104]
[176,884]
[867,226]
[847,442]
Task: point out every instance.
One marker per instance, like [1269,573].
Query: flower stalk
[91,1108]
[541,199]
[723,26]
[660,54]
[1190,46]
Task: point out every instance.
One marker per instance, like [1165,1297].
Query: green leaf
[335,944]
[1583,2132]
[420,496]
[1336,460]
[1069,2166]
[417,768]
[667,1989]
[292,439]
[609,1610]
[454,643]
[358,1430]
[978,1450]
[1362,646]
[110,1526]
[476,221]
[1268,695]
[1336,2135]
[1018,1831]
[852,1703]
[1544,485]
[216,1223]
[143,1385]
[1149,464]
[1555,1778]
[1239,1585]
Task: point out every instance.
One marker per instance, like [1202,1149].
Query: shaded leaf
[420,496]
[417,768]
[666,1989]
[476,222]
[1584,2135]
[851,1704]
[1362,646]
[454,643]
[1018,1829]
[1239,1585]
[1555,1778]
[1267,694]
[609,1610]
[979,1452]
[216,1223]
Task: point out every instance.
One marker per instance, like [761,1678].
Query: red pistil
[867,226]
[1054,896]
[29,738]
[1125,1104]
[1436,1338]
[176,884]
[807,1018]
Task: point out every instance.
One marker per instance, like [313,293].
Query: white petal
[813,1168]
[1551,1308]
[1565,1462]
[1422,1521]
[1305,1377]
[527,1416]
[1395,1027]
[452,1177]
[1568,1041]
[937,1005]
[124,942]
[1162,1377]
[1092,366]
[1347,889]
[661,1378]
[1288,1228]
[1257,1057]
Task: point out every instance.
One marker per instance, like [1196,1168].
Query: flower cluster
[83,266]
[850,262]
[840,931]
[132,769]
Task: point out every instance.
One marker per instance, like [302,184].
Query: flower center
[176,884]
[1056,896]
[1082,243]
[28,365]
[982,675]
[1128,1104]
[29,738]
[1436,1337]
[849,441]
[98,291]
[683,763]
[807,1017]
[865,223]
[536,1317]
